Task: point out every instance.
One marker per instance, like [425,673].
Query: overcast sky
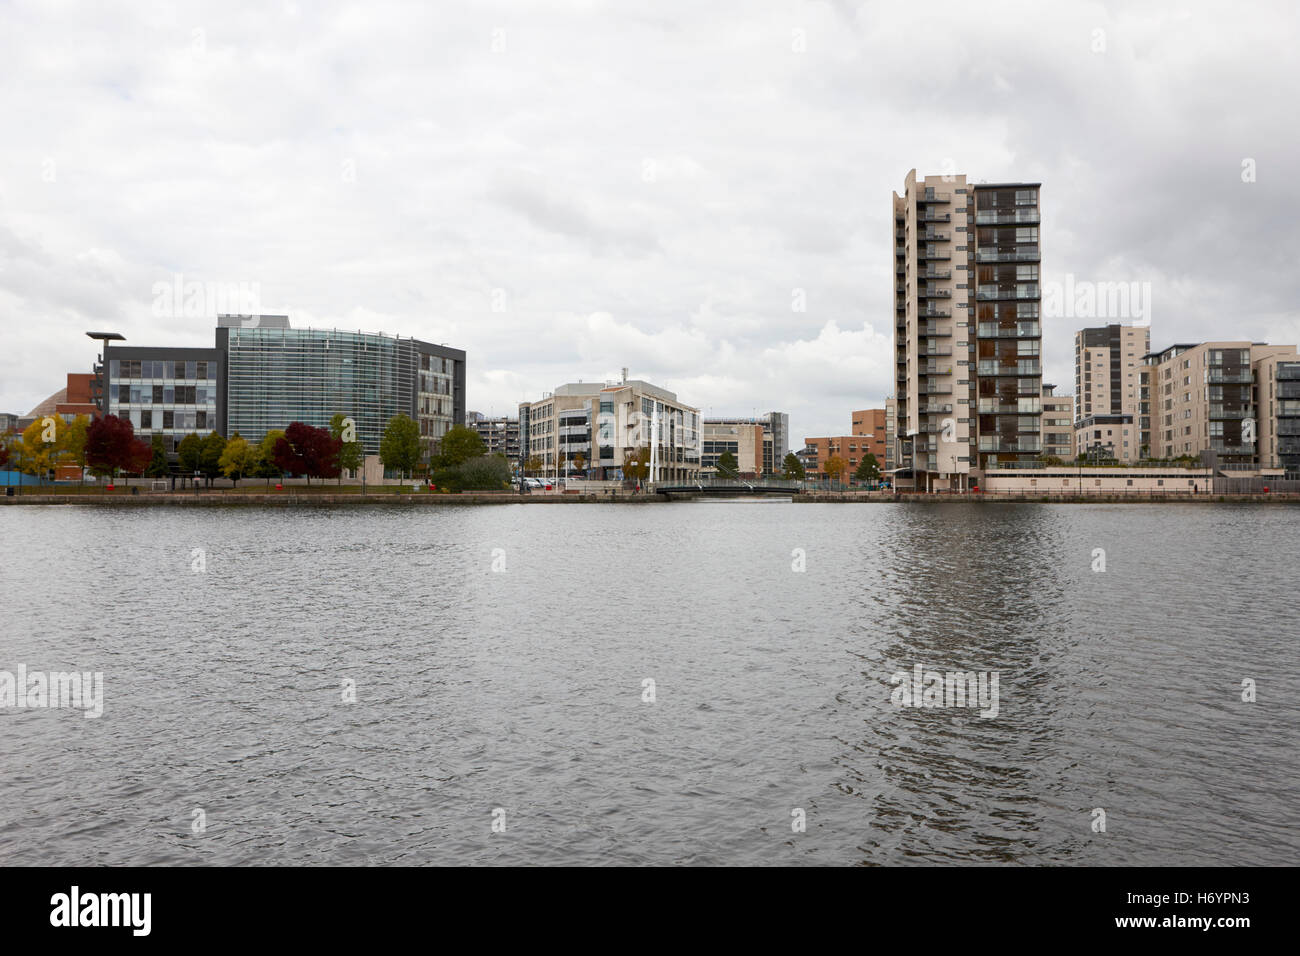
[566,188]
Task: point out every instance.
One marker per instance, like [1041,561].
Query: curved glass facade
[275,376]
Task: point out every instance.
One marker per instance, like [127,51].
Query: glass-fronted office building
[263,374]
[169,392]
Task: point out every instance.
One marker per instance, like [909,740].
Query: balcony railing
[937,274]
[989,293]
[995,217]
[1022,330]
[934,409]
[933,215]
[935,390]
[1010,446]
[1023,254]
[1019,368]
[929,293]
[936,331]
[937,350]
[1230,376]
[934,235]
[933,369]
[1221,413]
[991,406]
[933,312]
[931,252]
[931,196]
[1245,448]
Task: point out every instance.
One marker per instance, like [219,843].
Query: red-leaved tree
[111,446]
[308,451]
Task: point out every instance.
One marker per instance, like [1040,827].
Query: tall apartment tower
[967,337]
[1108,364]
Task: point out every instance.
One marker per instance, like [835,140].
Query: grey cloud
[520,168]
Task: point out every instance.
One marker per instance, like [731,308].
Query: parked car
[533,483]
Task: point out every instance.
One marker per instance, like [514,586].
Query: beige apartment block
[1108,365]
[967,338]
[891,425]
[760,443]
[1205,397]
[748,442]
[1277,404]
[1058,424]
[590,429]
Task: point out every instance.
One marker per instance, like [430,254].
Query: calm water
[522,689]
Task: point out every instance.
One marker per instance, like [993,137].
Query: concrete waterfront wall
[287,499]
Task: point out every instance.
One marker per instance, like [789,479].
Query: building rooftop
[225,321]
[48,406]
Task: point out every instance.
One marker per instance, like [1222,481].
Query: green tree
[459,445]
[266,466]
[792,467]
[728,467]
[189,454]
[353,454]
[868,468]
[158,467]
[239,459]
[484,473]
[399,449]
[211,450]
